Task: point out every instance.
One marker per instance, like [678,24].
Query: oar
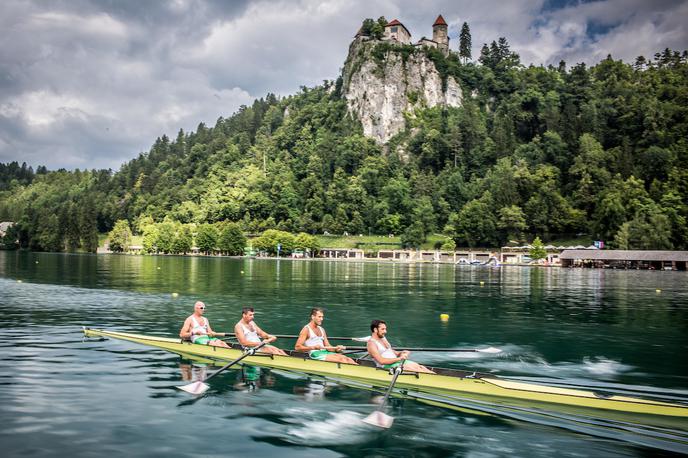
[200,387]
[378,417]
[467,350]
[285,336]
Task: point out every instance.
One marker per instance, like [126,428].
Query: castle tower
[439,33]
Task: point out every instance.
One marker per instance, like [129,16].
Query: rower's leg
[218,343]
[273,350]
[337,358]
[413,366]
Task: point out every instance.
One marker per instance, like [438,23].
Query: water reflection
[608,329]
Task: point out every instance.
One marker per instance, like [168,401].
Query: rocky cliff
[383,83]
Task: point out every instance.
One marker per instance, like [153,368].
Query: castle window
[394,29]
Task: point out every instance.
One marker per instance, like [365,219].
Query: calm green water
[65,396]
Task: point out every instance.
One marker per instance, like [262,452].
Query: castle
[396,31]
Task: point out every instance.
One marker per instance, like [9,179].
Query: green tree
[537,250]
[413,236]
[512,222]
[120,236]
[475,224]
[465,43]
[166,236]
[207,238]
[448,245]
[183,240]
[271,239]
[150,238]
[306,242]
[232,240]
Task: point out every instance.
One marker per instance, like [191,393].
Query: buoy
[658,291]
[482,283]
[36,262]
[444,317]
[19,281]
[158,268]
[175,294]
[242,272]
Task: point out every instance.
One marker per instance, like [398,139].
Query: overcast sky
[91,84]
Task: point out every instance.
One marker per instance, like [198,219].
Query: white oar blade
[379,419]
[361,339]
[195,388]
[490,350]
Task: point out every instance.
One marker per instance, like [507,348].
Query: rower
[249,334]
[383,353]
[197,329]
[313,339]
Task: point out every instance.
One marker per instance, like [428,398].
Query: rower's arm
[239,332]
[328,347]
[263,334]
[185,331]
[212,333]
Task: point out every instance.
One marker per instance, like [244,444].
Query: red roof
[396,22]
[439,21]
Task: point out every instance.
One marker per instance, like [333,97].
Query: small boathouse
[625,259]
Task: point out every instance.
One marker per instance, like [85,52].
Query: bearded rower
[383,353]
[250,335]
[313,340]
[197,329]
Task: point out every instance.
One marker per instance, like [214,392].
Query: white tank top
[198,330]
[313,338]
[250,333]
[385,352]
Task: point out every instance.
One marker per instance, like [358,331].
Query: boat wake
[319,428]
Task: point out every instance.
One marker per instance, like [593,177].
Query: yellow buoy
[444,317]
[158,268]
[242,272]
[658,291]
[19,281]
[482,283]
[175,294]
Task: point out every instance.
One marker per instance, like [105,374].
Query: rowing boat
[444,384]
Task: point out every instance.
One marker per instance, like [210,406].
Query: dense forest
[533,151]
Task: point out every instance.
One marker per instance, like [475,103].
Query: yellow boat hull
[492,389]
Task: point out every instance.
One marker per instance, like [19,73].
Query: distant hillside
[520,151]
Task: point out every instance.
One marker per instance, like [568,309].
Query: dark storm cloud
[92,83]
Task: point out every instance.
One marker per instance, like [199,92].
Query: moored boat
[448,384]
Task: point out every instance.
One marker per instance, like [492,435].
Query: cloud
[90,84]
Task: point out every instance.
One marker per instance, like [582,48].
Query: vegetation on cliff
[542,151]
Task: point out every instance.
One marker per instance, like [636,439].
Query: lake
[63,395]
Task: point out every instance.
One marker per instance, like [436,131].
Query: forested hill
[531,151]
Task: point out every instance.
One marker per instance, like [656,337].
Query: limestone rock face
[381,92]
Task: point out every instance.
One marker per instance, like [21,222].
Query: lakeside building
[625,259]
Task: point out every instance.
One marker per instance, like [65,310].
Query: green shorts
[393,365]
[204,340]
[320,355]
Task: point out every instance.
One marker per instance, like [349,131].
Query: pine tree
[465,42]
